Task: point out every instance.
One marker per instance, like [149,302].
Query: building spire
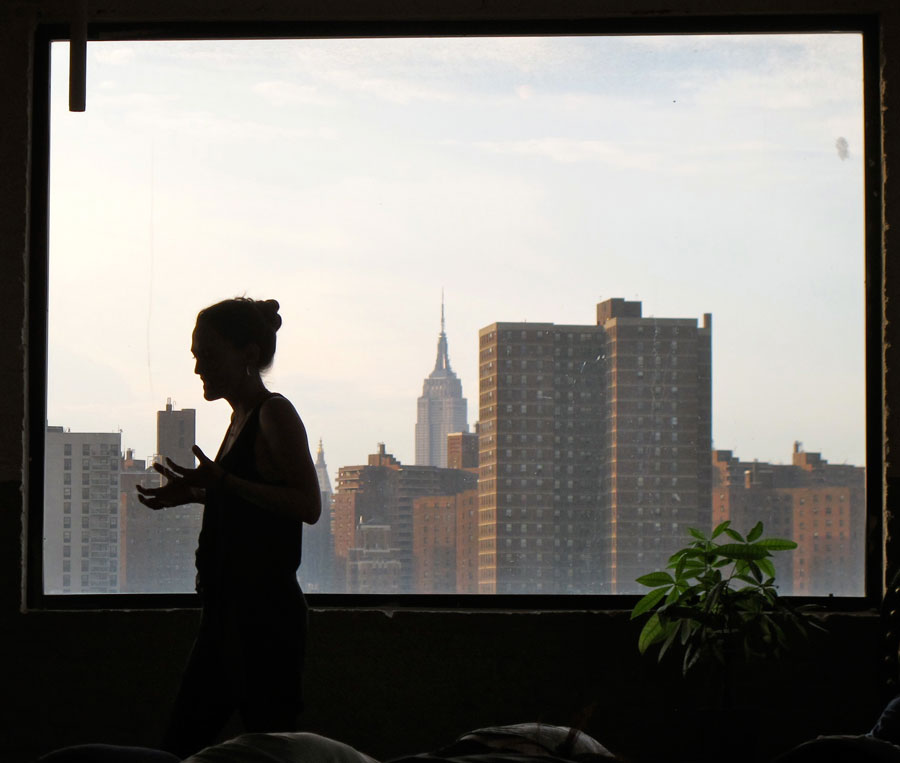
[442,363]
[442,408]
[322,470]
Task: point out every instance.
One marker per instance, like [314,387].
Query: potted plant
[717,607]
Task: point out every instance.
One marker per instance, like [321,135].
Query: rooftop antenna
[442,310]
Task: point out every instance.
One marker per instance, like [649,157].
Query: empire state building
[441,409]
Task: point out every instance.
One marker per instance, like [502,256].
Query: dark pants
[248,657]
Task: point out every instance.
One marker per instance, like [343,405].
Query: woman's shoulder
[277,409]
[280,426]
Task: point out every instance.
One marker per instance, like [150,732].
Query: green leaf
[720,529]
[780,634]
[676,557]
[734,535]
[654,579]
[775,544]
[743,551]
[691,656]
[687,629]
[697,534]
[671,630]
[649,601]
[768,569]
[651,633]
[755,532]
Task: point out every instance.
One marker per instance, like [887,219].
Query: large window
[642,256]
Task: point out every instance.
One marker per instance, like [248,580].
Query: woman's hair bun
[269,308]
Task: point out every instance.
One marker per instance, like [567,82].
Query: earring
[247,369]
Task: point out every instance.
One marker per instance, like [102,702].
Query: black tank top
[243,548]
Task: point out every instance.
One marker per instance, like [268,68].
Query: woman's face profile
[218,363]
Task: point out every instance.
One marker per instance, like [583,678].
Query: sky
[528,178]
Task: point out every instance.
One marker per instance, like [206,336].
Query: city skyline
[352,180]
[535,523]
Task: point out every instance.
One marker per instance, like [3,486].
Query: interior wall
[407,682]
[388,683]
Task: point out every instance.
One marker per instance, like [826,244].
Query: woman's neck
[250,394]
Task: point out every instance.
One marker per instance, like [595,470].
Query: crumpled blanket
[519,743]
[843,748]
[299,747]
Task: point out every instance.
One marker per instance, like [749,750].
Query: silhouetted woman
[261,487]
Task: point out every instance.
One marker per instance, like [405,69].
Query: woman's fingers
[177,468]
[165,472]
[151,503]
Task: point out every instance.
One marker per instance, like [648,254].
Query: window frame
[37,273]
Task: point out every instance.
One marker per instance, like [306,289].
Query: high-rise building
[440,410]
[176,433]
[819,505]
[316,569]
[467,542]
[373,564]
[659,435]
[159,546]
[81,511]
[445,543]
[593,449]
[462,450]
[434,544]
[382,493]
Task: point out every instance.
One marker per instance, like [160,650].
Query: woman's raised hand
[183,484]
[176,492]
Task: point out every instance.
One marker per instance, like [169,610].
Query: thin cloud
[525,92]
[393,90]
[571,151]
[409,56]
[112,56]
[280,93]
[797,90]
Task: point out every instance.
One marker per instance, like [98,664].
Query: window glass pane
[547,302]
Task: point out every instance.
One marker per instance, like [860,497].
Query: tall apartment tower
[81,511]
[159,546]
[176,434]
[593,451]
[659,435]
[316,569]
[440,410]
